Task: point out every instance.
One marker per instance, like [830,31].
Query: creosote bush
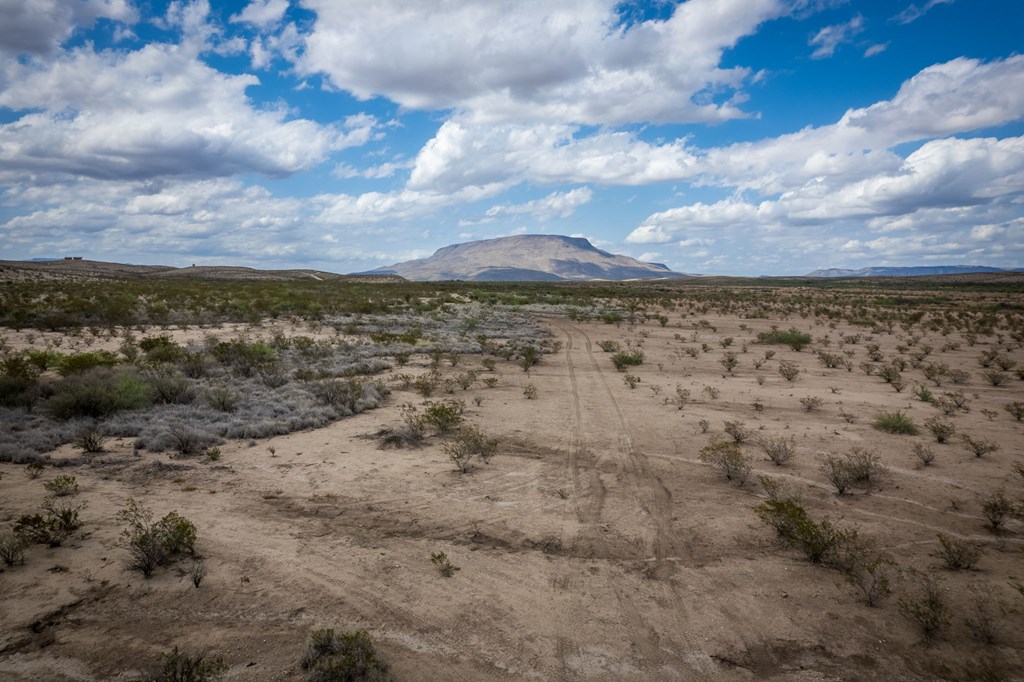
[788,370]
[817,540]
[624,359]
[778,449]
[343,657]
[979,447]
[728,459]
[62,486]
[12,549]
[153,544]
[940,428]
[791,337]
[958,554]
[444,565]
[444,416]
[927,608]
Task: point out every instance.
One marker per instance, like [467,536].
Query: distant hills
[917,271]
[527,258]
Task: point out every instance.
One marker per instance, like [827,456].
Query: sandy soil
[594,546]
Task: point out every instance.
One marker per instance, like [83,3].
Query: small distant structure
[72,258]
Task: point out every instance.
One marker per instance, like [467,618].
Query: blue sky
[737,137]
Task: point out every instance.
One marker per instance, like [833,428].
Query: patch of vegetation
[343,657]
[895,422]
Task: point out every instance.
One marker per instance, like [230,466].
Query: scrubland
[694,480]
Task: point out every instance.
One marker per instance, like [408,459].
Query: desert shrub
[923,393]
[81,362]
[774,488]
[152,544]
[728,459]
[193,365]
[1016,410]
[778,449]
[245,358]
[490,382]
[895,422]
[411,434]
[343,657]
[959,376]
[831,360]
[996,508]
[788,370]
[982,619]
[811,403]
[221,398]
[978,446]
[171,389]
[729,362]
[98,393]
[34,469]
[12,549]
[995,376]
[958,554]
[184,440]
[624,359]
[737,431]
[927,608]
[530,392]
[791,337]
[924,454]
[609,346]
[631,380]
[161,349]
[838,472]
[478,443]
[90,440]
[445,416]
[940,428]
[57,522]
[444,565]
[815,539]
[426,384]
[62,486]
[458,452]
[197,572]
[179,666]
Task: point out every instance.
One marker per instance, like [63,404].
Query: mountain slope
[903,271]
[534,257]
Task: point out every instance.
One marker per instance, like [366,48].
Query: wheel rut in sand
[662,545]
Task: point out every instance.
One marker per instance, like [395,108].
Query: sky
[737,137]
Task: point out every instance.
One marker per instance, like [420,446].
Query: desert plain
[604,506]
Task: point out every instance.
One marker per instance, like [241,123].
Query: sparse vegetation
[728,459]
[895,422]
[343,657]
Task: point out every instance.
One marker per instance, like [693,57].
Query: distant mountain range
[526,258]
[917,271]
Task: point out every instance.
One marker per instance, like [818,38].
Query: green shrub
[343,657]
[98,393]
[791,337]
[90,440]
[895,422]
[728,459]
[151,545]
[1016,410]
[817,540]
[624,359]
[81,362]
[609,346]
[62,486]
[445,416]
[57,522]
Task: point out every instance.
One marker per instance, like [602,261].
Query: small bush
[996,509]
[458,452]
[57,522]
[817,540]
[788,370]
[924,454]
[737,431]
[838,472]
[791,337]
[530,392]
[728,459]
[12,549]
[895,422]
[811,403]
[197,572]
[995,376]
[444,416]
[631,380]
[978,446]
[98,393]
[927,608]
[62,486]
[957,554]
[624,359]
[609,346]
[81,362]
[90,440]
[151,545]
[171,389]
[1016,410]
[178,666]
[343,657]
[778,449]
[940,428]
[444,564]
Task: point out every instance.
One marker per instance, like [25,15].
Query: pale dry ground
[594,546]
